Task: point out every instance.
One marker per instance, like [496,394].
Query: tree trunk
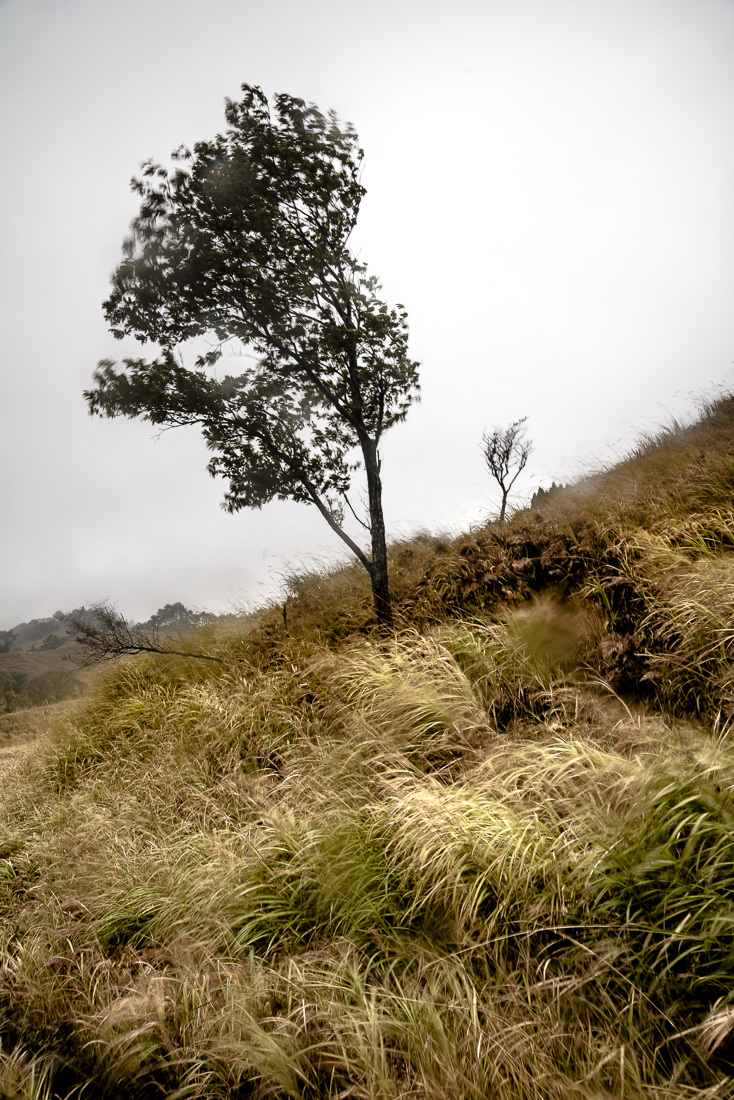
[378,572]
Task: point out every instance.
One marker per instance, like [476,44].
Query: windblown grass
[473,859]
[349,876]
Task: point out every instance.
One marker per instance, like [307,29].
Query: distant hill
[27,634]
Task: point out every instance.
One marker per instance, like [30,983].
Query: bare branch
[106,635]
[351,509]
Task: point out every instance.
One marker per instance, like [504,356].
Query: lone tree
[506,452]
[246,240]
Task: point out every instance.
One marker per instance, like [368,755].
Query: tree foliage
[11,686]
[246,242]
[175,616]
[506,452]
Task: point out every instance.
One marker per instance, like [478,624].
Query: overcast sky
[550,192]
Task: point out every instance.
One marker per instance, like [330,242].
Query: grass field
[489,856]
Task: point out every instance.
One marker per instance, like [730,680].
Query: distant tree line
[175,616]
[542,494]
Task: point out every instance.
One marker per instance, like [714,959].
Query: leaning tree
[245,240]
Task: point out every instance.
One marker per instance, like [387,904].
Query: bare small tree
[104,635]
[506,452]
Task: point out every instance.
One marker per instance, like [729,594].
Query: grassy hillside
[492,855]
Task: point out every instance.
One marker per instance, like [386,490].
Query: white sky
[550,193]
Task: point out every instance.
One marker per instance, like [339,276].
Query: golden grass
[492,855]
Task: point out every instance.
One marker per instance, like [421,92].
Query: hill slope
[490,856]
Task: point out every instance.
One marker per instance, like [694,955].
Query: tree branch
[106,635]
